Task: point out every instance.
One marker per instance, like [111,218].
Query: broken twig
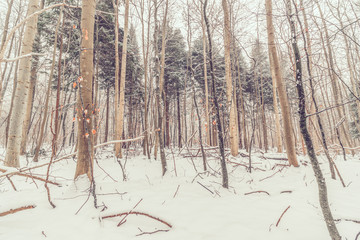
[12,211]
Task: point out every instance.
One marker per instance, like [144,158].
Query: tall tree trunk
[3,39]
[121,110]
[159,87]
[231,104]
[145,52]
[285,108]
[334,234]
[22,90]
[48,92]
[117,74]
[225,179]
[207,117]
[85,157]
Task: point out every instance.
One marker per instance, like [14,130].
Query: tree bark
[48,92]
[225,179]
[231,104]
[334,234]
[159,88]
[22,90]
[285,108]
[85,157]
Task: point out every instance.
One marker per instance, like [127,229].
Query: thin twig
[257,192]
[347,220]
[123,219]
[139,213]
[143,233]
[277,224]
[205,187]
[176,191]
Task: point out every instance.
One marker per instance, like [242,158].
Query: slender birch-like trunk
[22,90]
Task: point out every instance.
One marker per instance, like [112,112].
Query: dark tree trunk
[225,181]
[334,234]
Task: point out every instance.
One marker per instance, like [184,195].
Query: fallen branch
[277,224]
[139,213]
[271,174]
[347,220]
[257,192]
[11,182]
[29,176]
[143,233]
[12,211]
[123,220]
[205,187]
[176,191]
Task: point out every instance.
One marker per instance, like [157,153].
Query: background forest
[210,86]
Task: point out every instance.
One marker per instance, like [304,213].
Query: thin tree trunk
[159,88]
[334,234]
[207,117]
[225,179]
[48,92]
[22,90]
[285,108]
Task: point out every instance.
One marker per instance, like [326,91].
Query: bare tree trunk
[225,179]
[334,234]
[85,157]
[207,117]
[48,92]
[276,108]
[145,53]
[285,108]
[231,104]
[3,39]
[159,87]
[22,90]
[117,82]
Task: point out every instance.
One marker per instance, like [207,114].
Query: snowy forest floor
[192,201]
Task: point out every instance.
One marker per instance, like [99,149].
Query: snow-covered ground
[189,199]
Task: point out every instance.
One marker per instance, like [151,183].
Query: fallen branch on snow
[139,213]
[257,192]
[12,211]
[29,176]
[347,220]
